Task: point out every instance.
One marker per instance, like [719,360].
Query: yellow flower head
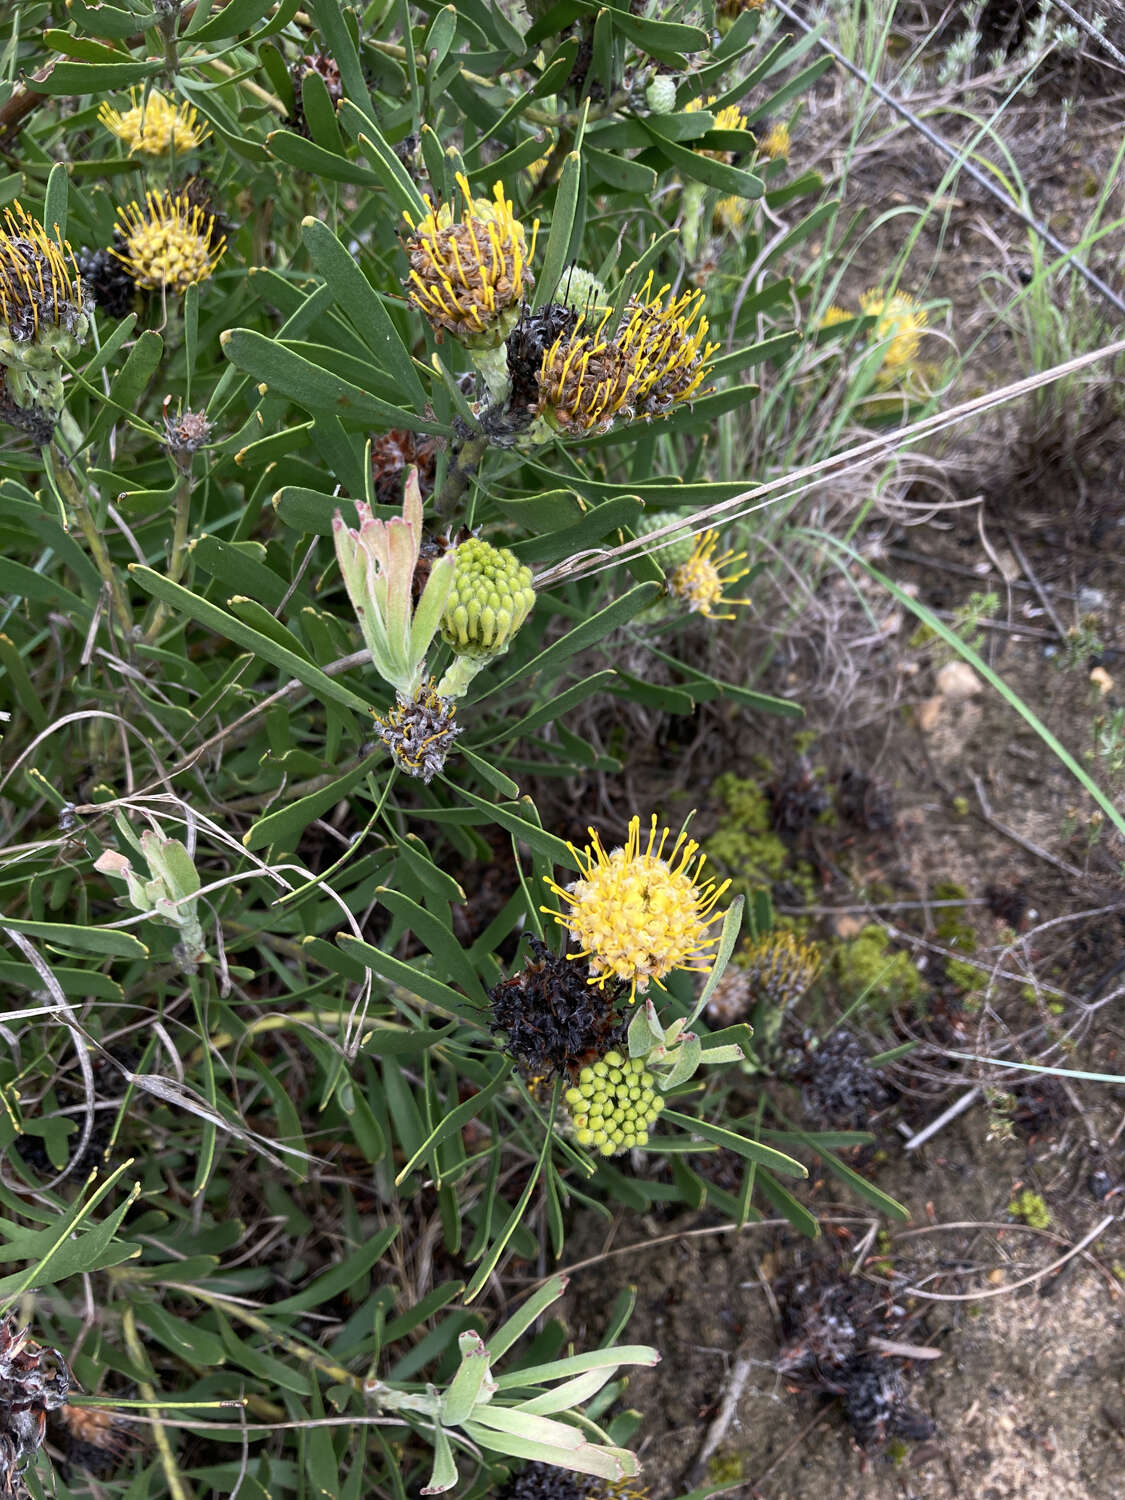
[469,277]
[170,243]
[667,344]
[730,117]
[699,583]
[899,319]
[729,213]
[835,314]
[776,144]
[638,916]
[585,380]
[155,126]
[40,285]
[728,11]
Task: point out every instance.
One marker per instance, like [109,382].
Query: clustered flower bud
[490,599]
[674,547]
[660,95]
[613,1104]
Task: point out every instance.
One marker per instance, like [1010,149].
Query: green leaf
[396,180]
[356,296]
[340,1279]
[717,174]
[338,44]
[228,20]
[444,1474]
[188,1341]
[316,389]
[128,385]
[424,986]
[56,201]
[438,939]
[661,39]
[453,1122]
[185,602]
[284,825]
[562,227]
[754,1151]
[93,78]
[729,934]
[594,631]
[554,709]
[309,156]
[70,981]
[538,838]
[109,941]
[786,1205]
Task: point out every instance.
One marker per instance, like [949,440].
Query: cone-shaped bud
[490,599]
[660,96]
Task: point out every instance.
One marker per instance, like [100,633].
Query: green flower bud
[612,1108]
[581,290]
[675,547]
[490,599]
[660,96]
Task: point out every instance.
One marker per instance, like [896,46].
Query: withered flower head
[585,381]
[106,280]
[551,1019]
[187,431]
[420,731]
[468,277]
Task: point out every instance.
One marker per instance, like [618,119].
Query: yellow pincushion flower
[640,915]
[729,213]
[899,319]
[585,380]
[698,584]
[835,314]
[469,277]
[776,144]
[667,344]
[730,117]
[169,244]
[155,126]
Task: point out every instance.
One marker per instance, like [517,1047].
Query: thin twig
[1012,1286]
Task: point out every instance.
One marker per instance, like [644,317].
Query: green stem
[465,463]
[177,561]
[76,503]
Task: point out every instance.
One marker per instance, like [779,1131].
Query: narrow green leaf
[110,941]
[562,227]
[453,1122]
[356,296]
[593,631]
[424,986]
[339,1279]
[438,939]
[284,825]
[225,624]
[752,1150]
